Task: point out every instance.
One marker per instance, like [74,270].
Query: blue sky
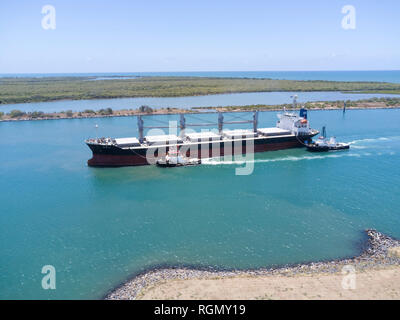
[135,36]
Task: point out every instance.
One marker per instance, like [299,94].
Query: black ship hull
[113,156]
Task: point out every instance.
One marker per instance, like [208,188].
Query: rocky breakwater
[381,251]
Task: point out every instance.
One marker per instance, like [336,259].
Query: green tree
[145,109]
[16,113]
[105,112]
[36,114]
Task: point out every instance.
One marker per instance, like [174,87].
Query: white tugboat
[324,144]
[174,159]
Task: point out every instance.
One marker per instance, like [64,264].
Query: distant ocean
[381,76]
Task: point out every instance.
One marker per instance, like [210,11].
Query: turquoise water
[377,75]
[231,99]
[99,226]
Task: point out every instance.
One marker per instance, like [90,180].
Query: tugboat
[175,159]
[324,144]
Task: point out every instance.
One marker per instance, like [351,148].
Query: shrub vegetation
[20,90]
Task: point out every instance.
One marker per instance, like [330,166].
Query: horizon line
[121,72]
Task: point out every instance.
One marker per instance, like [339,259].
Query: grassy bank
[374,103]
[23,90]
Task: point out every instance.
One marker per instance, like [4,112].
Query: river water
[100,226]
[231,99]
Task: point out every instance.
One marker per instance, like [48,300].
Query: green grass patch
[23,90]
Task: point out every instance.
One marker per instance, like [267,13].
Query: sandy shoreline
[370,284]
[377,272]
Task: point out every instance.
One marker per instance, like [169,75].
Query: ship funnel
[303,113]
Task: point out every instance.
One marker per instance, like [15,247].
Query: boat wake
[359,144]
[368,140]
[366,143]
[216,162]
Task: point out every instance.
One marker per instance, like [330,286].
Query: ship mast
[220,122]
[255,121]
[140,128]
[182,122]
[324,132]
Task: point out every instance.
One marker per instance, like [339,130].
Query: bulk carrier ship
[291,131]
